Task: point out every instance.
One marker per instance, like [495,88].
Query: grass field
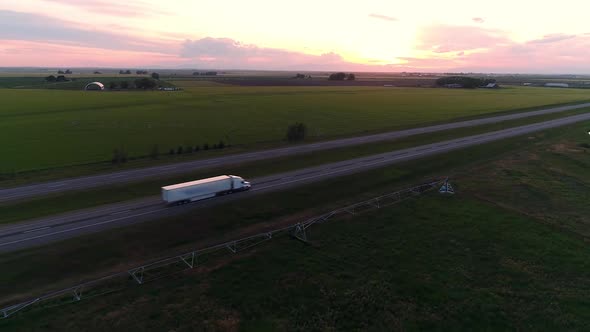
[508,251]
[44,129]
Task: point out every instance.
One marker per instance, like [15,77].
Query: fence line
[189,260]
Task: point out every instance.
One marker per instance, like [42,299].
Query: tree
[179,150]
[299,76]
[156,76]
[119,156]
[206,146]
[61,78]
[155,152]
[296,132]
[60,72]
[50,78]
[113,85]
[68,72]
[337,76]
[189,149]
[196,73]
[124,85]
[145,83]
[350,77]
[171,152]
[197,148]
[221,145]
[464,81]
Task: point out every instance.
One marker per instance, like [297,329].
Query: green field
[53,128]
[508,252]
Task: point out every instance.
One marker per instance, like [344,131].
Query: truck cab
[239,184]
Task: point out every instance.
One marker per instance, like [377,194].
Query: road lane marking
[79,227]
[36,230]
[120,212]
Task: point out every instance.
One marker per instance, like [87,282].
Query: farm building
[94,86]
[557,85]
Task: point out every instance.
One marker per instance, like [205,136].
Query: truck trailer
[187,192]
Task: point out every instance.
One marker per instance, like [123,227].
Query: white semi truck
[187,192]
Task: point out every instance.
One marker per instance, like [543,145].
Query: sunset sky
[521,36]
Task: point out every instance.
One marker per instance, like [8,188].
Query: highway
[55,228]
[134,175]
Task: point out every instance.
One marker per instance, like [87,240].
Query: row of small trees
[295,132]
[120,155]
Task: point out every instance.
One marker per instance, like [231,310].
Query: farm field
[60,128]
[485,258]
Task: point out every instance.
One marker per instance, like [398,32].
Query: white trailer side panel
[196,190]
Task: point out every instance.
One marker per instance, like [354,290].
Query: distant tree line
[341,77]
[137,72]
[59,78]
[302,76]
[207,73]
[66,72]
[143,83]
[464,81]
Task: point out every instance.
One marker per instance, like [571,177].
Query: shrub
[155,152]
[296,132]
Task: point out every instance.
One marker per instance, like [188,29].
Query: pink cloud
[484,50]
[449,38]
[127,8]
[229,53]
[383,17]
[478,20]
[19,53]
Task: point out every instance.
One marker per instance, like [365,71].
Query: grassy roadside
[447,263]
[27,177]
[100,253]
[54,204]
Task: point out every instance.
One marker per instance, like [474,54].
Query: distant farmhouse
[94,86]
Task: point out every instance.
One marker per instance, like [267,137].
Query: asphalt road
[35,190]
[46,230]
